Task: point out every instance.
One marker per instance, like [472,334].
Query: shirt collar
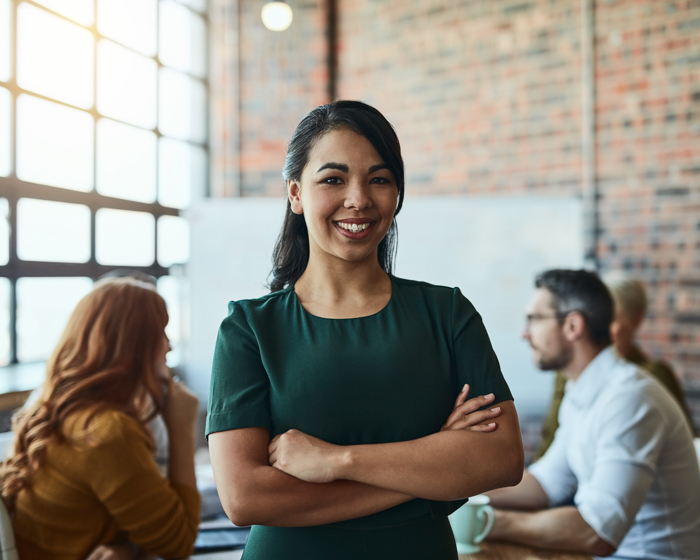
[592,379]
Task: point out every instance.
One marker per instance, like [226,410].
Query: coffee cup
[471,523]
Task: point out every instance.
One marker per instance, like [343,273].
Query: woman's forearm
[275,498]
[444,466]
[254,493]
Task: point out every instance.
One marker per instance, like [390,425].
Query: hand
[180,410]
[467,416]
[303,456]
[123,551]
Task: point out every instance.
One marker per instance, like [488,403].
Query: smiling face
[347,195]
[550,348]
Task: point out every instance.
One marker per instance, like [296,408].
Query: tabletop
[489,551]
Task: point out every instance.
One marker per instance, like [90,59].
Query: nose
[525,333]
[357,196]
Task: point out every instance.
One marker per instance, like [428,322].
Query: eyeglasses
[533,317]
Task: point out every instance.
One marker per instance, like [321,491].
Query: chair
[8,549]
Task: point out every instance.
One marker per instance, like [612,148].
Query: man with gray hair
[623,452]
[630,300]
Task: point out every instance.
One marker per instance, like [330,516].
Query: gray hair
[628,293]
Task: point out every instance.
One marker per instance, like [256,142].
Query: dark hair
[291,254]
[582,291]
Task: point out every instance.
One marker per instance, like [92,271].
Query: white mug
[471,523]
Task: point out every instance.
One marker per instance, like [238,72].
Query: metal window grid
[12,188]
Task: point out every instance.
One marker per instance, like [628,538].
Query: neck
[334,281]
[584,352]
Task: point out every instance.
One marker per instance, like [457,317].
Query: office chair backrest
[8,550]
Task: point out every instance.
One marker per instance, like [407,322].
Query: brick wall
[486,98]
[485,95]
[648,161]
[282,76]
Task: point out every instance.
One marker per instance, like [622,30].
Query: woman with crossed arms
[338,422]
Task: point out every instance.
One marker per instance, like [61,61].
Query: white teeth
[353,227]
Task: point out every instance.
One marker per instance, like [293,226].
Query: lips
[354,228]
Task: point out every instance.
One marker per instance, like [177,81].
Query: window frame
[12,188]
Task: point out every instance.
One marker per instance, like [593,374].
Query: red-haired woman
[82,482]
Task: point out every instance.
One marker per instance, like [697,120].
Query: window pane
[4,321]
[80,11]
[126,161]
[5,40]
[54,144]
[199,5]
[182,39]
[54,57]
[126,85]
[182,109]
[182,173]
[173,240]
[129,22]
[43,308]
[174,291]
[5,133]
[124,238]
[4,232]
[52,231]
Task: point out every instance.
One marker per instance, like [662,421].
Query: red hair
[107,358]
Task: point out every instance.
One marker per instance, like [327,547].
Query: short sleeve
[475,360]
[240,389]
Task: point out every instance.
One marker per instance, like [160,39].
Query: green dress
[388,377]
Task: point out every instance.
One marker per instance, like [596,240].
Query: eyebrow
[344,168]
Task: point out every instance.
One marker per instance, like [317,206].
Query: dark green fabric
[661,371]
[392,376]
[427,540]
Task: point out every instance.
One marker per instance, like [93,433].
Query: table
[490,551]
[495,550]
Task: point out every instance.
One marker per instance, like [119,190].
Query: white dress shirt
[624,452]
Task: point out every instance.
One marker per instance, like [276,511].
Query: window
[103,141]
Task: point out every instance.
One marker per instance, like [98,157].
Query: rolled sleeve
[626,455]
[553,472]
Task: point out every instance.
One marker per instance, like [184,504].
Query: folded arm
[254,492]
[449,465]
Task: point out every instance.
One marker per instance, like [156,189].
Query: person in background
[630,300]
[82,481]
[623,452]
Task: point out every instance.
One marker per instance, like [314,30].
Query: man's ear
[574,326]
[294,194]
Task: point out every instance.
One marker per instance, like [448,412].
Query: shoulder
[107,427]
[633,393]
[249,311]
[432,293]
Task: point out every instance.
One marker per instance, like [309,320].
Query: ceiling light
[277,16]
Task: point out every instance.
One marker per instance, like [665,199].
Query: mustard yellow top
[88,493]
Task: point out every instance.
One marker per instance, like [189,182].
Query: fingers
[470,406]
[99,553]
[462,395]
[458,402]
[480,418]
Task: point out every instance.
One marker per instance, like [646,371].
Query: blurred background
[150,135]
